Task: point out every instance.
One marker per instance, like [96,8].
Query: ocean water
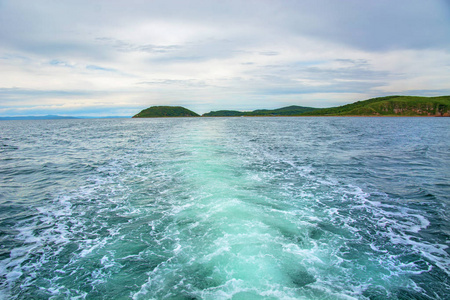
[225,208]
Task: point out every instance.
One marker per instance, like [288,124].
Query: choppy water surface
[225,208]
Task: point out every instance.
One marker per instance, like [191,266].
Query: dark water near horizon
[225,208]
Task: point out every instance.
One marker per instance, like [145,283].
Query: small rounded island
[165,112]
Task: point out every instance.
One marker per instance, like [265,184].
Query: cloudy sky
[99,58]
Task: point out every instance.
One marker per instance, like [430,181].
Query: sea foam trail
[243,234]
[227,244]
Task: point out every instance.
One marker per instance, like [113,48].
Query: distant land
[382,106]
[47,117]
[396,106]
[56,117]
[391,106]
[293,110]
[165,112]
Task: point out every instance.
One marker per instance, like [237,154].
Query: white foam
[299,198]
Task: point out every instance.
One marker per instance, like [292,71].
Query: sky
[115,58]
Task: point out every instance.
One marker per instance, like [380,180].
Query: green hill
[391,106]
[382,106]
[284,111]
[165,112]
[224,113]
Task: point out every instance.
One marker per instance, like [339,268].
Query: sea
[225,208]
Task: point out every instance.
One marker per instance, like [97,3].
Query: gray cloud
[350,70]
[269,53]
[123,46]
[370,25]
[346,73]
[15,93]
[191,83]
[374,25]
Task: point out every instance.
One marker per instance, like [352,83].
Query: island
[165,112]
[406,106]
[382,106]
[292,110]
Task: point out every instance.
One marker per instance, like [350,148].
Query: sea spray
[243,208]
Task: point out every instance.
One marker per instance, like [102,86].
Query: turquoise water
[225,208]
